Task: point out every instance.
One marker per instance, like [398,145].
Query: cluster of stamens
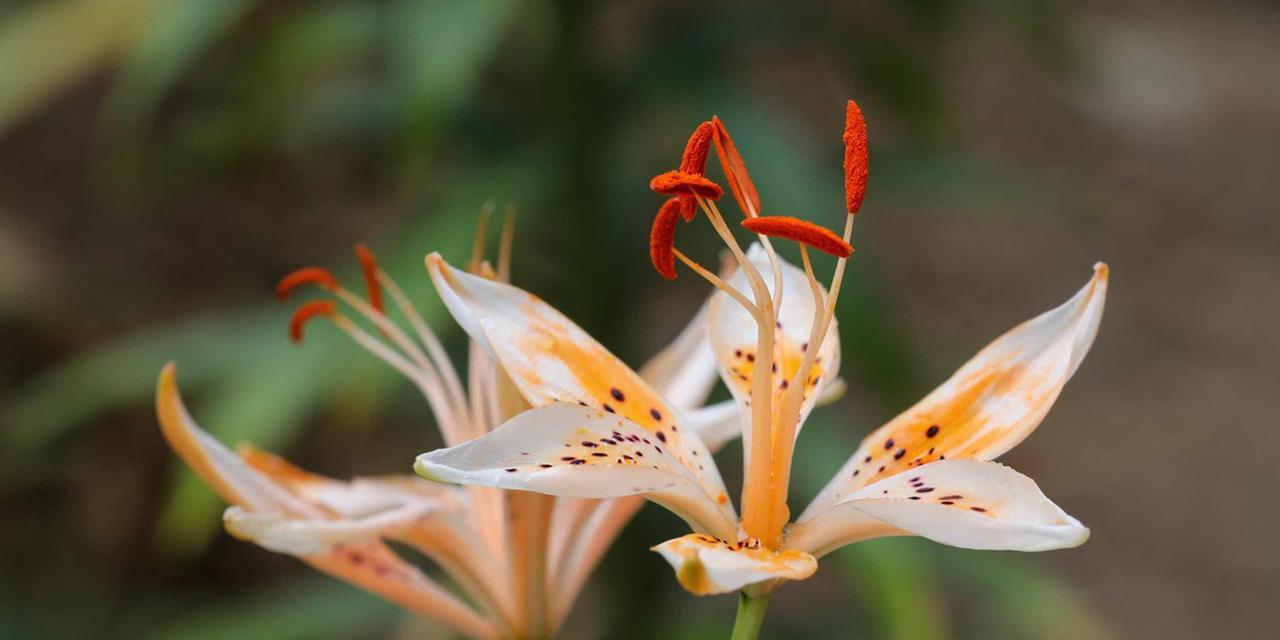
[772,429]
[421,358]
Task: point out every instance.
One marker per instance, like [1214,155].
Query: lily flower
[518,560]
[606,432]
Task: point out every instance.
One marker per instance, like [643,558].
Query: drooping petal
[733,336]
[684,372]
[220,468]
[991,404]
[582,452]
[706,565]
[962,503]
[551,360]
[310,537]
[355,556]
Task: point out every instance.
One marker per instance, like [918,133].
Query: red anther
[694,159]
[818,237]
[855,158]
[663,237]
[675,183]
[309,275]
[370,268]
[735,169]
[307,312]
[688,207]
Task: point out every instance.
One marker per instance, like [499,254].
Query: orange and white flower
[518,559]
[599,430]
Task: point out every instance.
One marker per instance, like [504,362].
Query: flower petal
[310,537]
[581,452]
[992,403]
[552,360]
[733,336]
[962,503]
[706,565]
[365,562]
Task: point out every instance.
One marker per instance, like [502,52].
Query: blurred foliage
[427,109]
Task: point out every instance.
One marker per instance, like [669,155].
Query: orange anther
[744,191]
[694,159]
[674,183]
[818,237]
[855,157]
[688,207]
[309,275]
[662,239]
[307,312]
[370,268]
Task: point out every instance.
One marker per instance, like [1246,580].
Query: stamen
[662,239]
[744,191]
[855,157]
[505,244]
[803,231]
[717,281]
[694,159]
[309,275]
[370,267]
[674,183]
[306,312]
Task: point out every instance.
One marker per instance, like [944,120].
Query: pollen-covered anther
[856,162]
[307,312]
[675,183]
[694,159]
[369,266]
[744,191]
[662,239]
[308,275]
[802,231]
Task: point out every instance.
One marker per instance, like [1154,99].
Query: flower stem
[750,617]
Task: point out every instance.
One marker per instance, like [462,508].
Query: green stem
[750,617]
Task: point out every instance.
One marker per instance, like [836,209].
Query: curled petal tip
[1101,271]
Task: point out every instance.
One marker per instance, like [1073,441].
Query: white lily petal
[310,537]
[551,360]
[581,452]
[717,424]
[733,337]
[356,498]
[962,503]
[685,370]
[706,565]
[989,405]
[218,466]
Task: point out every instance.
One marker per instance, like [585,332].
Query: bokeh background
[162,162]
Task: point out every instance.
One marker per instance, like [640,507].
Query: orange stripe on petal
[663,237]
[855,158]
[735,169]
[309,275]
[307,312]
[803,231]
[370,268]
[694,159]
[674,183]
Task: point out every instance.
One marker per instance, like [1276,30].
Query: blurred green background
[162,162]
